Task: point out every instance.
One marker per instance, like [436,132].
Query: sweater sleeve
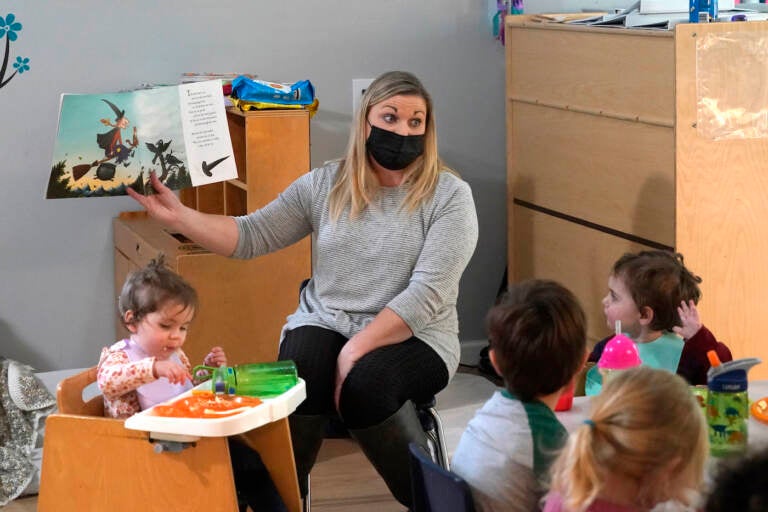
[448,246]
[118,375]
[283,222]
[694,362]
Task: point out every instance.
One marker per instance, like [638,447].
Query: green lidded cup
[728,405]
[262,380]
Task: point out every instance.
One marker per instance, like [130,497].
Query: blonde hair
[356,184]
[645,426]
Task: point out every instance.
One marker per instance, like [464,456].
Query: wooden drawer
[615,173]
[600,70]
[577,257]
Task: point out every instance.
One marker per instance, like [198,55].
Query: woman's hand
[689,317]
[216,357]
[217,233]
[387,328]
[163,206]
[175,373]
[344,363]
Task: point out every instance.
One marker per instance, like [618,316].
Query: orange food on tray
[760,409]
[204,404]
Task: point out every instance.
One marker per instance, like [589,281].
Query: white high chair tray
[271,409]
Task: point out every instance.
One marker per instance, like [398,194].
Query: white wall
[56,265]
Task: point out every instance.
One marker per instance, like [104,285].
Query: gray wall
[56,266]
[539,6]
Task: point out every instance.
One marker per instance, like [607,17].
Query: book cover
[108,142]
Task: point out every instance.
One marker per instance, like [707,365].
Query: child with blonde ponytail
[644,443]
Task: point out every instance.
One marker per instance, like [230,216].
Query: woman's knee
[366,401]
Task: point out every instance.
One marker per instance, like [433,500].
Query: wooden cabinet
[606,154]
[243,304]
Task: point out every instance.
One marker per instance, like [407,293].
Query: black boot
[307,432]
[386,446]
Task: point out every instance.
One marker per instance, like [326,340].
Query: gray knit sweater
[386,257]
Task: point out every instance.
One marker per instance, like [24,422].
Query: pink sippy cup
[620,353]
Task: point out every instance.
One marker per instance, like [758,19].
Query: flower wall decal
[9,30]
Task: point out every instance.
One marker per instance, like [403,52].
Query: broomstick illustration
[112,144]
[78,171]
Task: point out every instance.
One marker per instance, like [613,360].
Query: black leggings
[379,383]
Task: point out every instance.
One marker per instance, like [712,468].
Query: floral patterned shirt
[118,378]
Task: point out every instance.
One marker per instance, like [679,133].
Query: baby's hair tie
[590,423]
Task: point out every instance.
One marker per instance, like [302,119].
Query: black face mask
[392,151]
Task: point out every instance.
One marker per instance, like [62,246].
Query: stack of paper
[664,14]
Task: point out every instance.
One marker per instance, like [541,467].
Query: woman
[376,328]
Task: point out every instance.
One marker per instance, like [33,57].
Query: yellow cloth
[245,106]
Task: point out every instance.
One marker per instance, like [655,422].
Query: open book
[108,142]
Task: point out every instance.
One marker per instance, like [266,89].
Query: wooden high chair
[92,463]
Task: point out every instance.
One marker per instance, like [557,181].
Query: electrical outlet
[359,85]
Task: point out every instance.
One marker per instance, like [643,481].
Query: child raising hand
[645,443]
[654,295]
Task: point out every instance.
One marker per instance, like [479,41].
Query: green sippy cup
[728,405]
[263,380]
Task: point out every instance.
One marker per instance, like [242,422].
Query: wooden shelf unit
[604,157]
[243,303]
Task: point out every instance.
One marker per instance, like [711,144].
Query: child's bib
[159,390]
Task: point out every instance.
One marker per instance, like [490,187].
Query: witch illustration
[112,144]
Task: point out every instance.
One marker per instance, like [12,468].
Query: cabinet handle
[138,246]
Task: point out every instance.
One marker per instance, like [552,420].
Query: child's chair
[92,463]
[435,488]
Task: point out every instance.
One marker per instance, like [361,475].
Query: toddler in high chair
[654,296]
[643,447]
[149,367]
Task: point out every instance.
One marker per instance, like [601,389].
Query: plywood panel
[235,198]
[273,442]
[210,198]
[722,212]
[619,174]
[629,73]
[580,258]
[94,464]
[243,303]
[268,175]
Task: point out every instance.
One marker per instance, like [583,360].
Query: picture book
[109,142]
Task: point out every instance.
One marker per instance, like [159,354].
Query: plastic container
[262,380]
[619,354]
[565,402]
[728,405]
[702,11]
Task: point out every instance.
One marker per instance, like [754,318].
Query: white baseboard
[470,351]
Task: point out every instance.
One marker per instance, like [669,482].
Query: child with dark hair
[537,343]
[149,367]
[741,484]
[654,296]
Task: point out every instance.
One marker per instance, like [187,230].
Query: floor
[344,481]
